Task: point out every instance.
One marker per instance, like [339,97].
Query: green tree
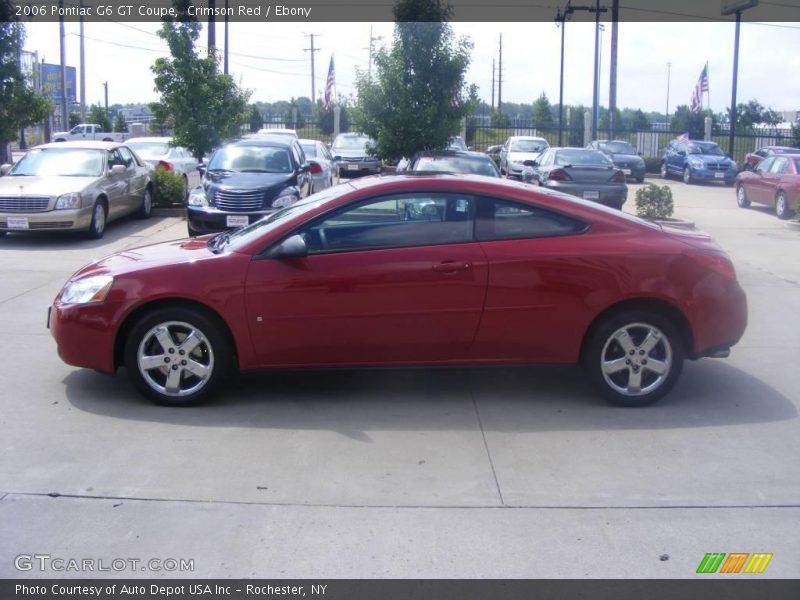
[254,118]
[74,119]
[120,125]
[575,124]
[97,115]
[685,120]
[162,122]
[325,118]
[293,116]
[638,121]
[796,135]
[499,120]
[207,106]
[754,113]
[20,105]
[542,112]
[417,95]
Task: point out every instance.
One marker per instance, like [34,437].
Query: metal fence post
[587,128]
[707,122]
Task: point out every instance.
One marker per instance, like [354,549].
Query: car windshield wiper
[257,171]
[220,170]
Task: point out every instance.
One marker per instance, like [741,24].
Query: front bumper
[703,174]
[208,219]
[610,195]
[83,334]
[73,219]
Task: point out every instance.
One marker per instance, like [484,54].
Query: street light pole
[666,112]
[562,19]
[732,130]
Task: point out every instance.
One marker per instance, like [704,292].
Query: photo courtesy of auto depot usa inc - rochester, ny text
[250,11]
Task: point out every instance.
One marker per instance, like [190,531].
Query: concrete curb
[793,225]
[168,212]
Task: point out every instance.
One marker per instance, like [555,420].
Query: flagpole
[708,92]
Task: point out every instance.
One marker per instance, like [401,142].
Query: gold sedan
[77,186]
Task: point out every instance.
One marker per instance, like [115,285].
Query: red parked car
[752,160]
[775,182]
[409,270]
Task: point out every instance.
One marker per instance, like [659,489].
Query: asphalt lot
[408,473]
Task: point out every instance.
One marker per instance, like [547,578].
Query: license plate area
[626,171]
[17,223]
[591,195]
[237,220]
[352,167]
[719,175]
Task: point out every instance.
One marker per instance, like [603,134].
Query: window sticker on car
[461,205]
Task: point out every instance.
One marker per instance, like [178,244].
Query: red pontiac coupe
[409,270]
[775,182]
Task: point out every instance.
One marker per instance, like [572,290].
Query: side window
[502,220]
[115,159]
[324,150]
[765,165]
[126,157]
[545,158]
[761,153]
[423,219]
[299,156]
[780,165]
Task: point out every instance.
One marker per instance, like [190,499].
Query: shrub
[170,188]
[654,202]
[652,165]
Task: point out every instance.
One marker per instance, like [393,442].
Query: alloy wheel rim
[99,218]
[663,170]
[781,204]
[687,176]
[636,359]
[148,201]
[175,359]
[740,195]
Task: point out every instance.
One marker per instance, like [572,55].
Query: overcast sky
[269,59]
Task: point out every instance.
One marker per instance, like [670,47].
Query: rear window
[456,164]
[581,157]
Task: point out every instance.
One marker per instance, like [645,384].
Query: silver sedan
[159,152]
[323,172]
[74,186]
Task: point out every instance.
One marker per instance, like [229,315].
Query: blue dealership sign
[51,82]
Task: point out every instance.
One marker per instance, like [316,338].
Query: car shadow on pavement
[48,241]
[513,399]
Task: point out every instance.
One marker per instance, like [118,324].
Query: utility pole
[666,112]
[311,36]
[596,95]
[64,109]
[493,76]
[212,27]
[83,74]
[612,86]
[371,49]
[105,85]
[500,78]
[225,63]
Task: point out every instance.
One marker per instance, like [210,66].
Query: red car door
[758,186]
[397,279]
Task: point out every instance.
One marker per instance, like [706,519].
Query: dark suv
[246,180]
[696,161]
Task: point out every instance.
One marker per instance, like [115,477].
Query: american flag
[683,138]
[700,87]
[329,84]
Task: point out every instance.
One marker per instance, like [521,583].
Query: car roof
[87,145]
[149,139]
[459,153]
[263,140]
[527,137]
[309,142]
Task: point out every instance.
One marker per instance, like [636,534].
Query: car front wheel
[687,175]
[664,174]
[741,197]
[177,356]
[147,205]
[98,225]
[634,357]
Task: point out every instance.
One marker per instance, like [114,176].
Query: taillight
[162,164]
[316,168]
[558,175]
[717,262]
[618,177]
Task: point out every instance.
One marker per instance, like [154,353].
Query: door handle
[451,267]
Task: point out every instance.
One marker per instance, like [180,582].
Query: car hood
[157,255]
[523,156]
[48,185]
[710,159]
[245,181]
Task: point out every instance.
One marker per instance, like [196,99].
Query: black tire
[607,346]
[687,176]
[664,172]
[147,204]
[639,179]
[741,197]
[782,209]
[99,221]
[191,232]
[213,353]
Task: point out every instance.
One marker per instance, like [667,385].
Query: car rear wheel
[177,356]
[147,205]
[687,175]
[639,179]
[98,225]
[782,206]
[634,357]
[741,197]
[664,174]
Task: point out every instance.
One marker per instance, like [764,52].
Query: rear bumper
[358,166]
[610,195]
[720,317]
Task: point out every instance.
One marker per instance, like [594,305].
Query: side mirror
[292,247]
[469,148]
[4,169]
[201,168]
[118,169]
[337,157]
[528,174]
[305,168]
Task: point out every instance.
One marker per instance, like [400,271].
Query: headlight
[72,200]
[283,201]
[90,289]
[734,165]
[197,197]
[697,164]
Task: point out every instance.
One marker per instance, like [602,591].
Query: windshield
[705,148]
[351,143]
[149,148]
[245,235]
[310,150]
[528,146]
[618,147]
[582,157]
[456,164]
[61,162]
[251,159]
